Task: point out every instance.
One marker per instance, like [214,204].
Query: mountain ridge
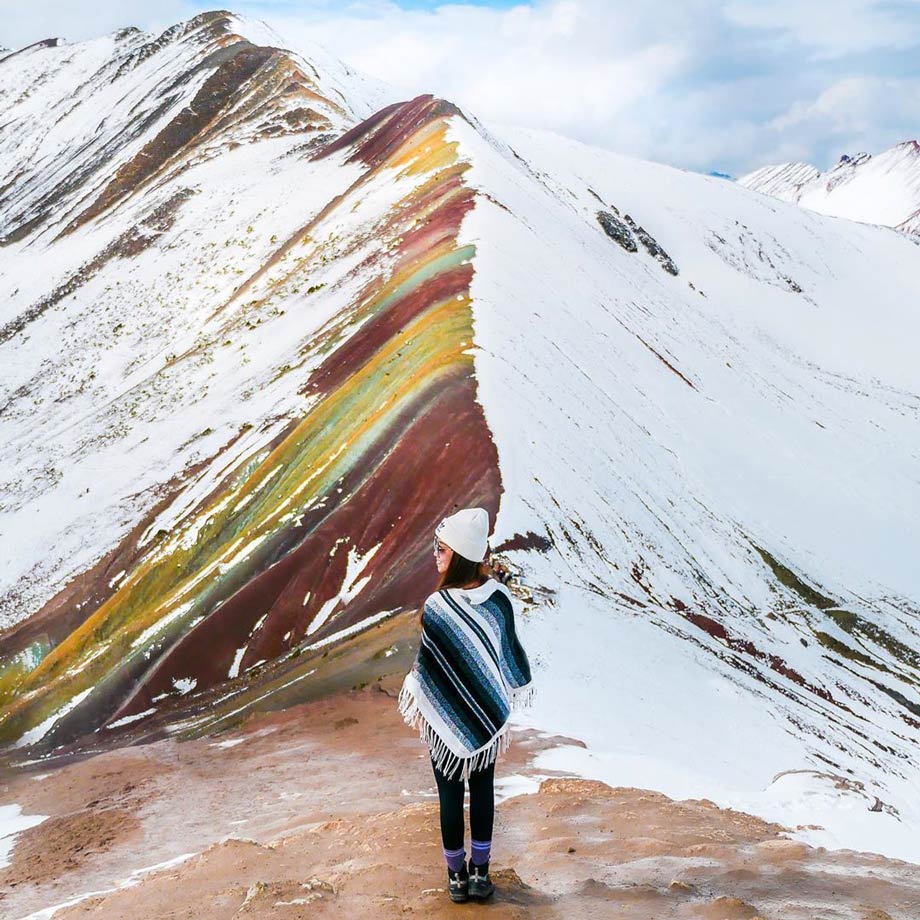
[882,189]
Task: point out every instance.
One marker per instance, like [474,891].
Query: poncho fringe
[444,759]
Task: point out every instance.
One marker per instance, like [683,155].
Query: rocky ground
[330,808]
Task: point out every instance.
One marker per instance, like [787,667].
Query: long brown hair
[461,571]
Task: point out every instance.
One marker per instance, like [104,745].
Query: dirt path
[330,808]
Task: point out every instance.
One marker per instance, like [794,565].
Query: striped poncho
[470,672]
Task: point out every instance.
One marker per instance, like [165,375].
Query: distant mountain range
[882,189]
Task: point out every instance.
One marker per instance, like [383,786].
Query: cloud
[22,23]
[701,84]
[723,85]
[852,114]
[834,28]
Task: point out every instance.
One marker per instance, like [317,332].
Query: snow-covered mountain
[256,339]
[882,189]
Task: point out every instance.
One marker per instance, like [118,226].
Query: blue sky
[723,85]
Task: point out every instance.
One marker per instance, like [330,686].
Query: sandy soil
[330,808]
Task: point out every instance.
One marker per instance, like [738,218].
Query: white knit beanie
[466,532]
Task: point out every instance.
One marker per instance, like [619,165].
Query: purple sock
[480,850]
[455,858]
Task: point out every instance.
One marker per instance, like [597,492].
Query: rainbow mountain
[264,323]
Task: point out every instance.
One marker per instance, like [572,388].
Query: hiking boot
[480,885]
[458,883]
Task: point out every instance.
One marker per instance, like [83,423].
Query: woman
[469,673]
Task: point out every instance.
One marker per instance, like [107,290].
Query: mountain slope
[272,351]
[725,457]
[882,189]
[256,372]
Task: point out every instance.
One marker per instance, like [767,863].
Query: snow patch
[12,822]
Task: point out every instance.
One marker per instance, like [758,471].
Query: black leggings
[482,805]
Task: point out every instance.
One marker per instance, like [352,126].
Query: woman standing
[470,672]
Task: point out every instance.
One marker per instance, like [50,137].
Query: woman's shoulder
[503,590]
[435,597]
[432,598]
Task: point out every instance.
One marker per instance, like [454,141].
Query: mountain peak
[877,189]
[157,102]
